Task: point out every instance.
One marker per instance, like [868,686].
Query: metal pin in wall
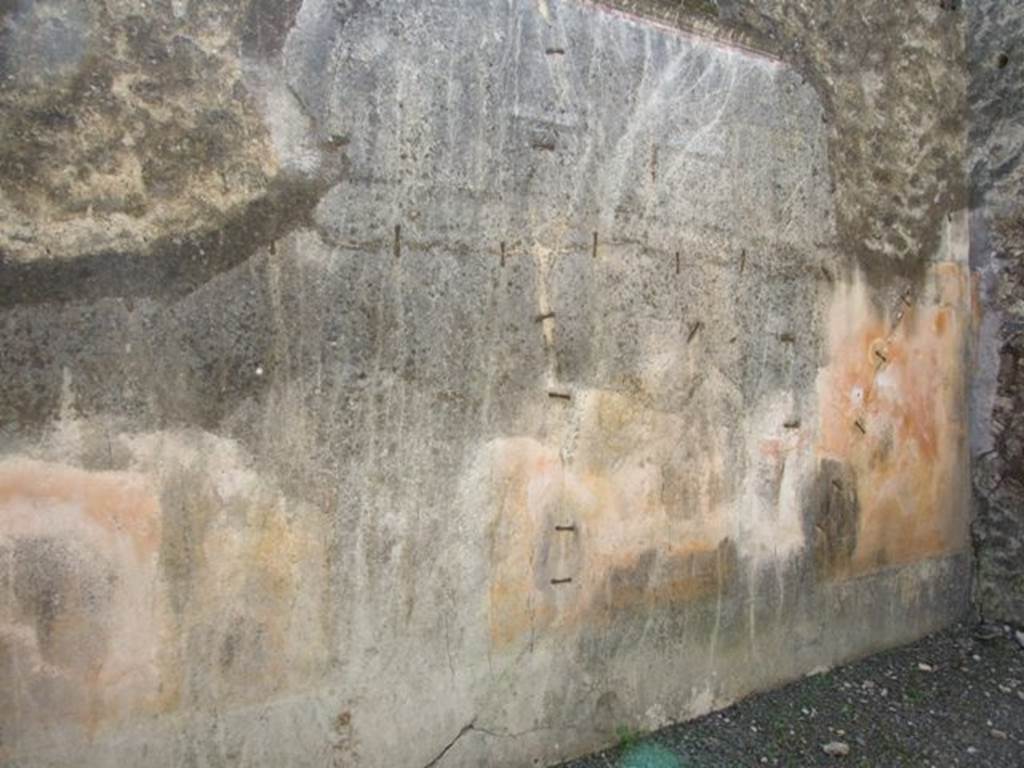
[693,330]
[880,356]
[593,251]
[906,297]
[555,51]
[561,581]
[503,253]
[837,485]
[545,316]
[787,338]
[398,241]
[743,260]
[792,424]
[677,262]
[565,527]
[560,395]
[860,426]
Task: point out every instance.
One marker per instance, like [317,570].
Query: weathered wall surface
[390,382]
[997,256]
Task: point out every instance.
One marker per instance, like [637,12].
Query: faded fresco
[441,383]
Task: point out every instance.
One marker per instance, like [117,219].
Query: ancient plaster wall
[493,375]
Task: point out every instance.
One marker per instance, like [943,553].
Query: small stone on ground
[837,748]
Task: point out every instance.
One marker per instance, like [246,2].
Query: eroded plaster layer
[536,396]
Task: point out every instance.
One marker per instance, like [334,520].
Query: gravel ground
[953,699]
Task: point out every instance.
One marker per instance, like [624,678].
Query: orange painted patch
[121,503]
[892,409]
[622,526]
[109,607]
[81,620]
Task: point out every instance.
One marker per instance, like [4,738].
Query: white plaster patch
[702,701]
[768,518]
[955,245]
[291,129]
[857,396]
